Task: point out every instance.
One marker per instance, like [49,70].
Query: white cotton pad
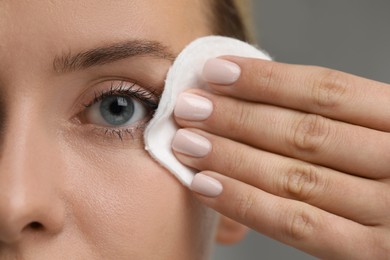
[184,74]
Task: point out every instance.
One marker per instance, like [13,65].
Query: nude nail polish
[219,71]
[193,107]
[191,144]
[206,185]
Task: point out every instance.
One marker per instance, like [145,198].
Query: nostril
[35,226]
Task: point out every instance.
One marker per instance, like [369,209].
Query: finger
[300,225]
[315,90]
[289,178]
[337,145]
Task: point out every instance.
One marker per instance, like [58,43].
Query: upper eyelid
[102,83]
[134,90]
[150,73]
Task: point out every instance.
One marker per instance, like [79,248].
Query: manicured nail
[219,71]
[190,143]
[206,185]
[193,107]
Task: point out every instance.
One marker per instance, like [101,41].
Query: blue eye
[116,110]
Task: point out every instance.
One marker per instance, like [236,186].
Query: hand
[302,154]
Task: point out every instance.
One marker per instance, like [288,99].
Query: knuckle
[238,118]
[302,182]
[329,89]
[245,204]
[265,77]
[266,74]
[232,161]
[310,133]
[299,225]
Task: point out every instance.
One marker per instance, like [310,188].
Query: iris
[117,110]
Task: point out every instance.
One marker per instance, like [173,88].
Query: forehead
[45,26]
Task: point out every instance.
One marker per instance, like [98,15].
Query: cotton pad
[185,73]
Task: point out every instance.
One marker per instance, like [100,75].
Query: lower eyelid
[95,135]
[130,133]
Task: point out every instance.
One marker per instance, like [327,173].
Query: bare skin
[72,186]
[303,157]
[307,164]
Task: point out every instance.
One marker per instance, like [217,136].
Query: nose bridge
[28,178]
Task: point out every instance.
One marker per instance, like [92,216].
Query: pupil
[117,110]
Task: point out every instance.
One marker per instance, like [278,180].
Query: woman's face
[78,82]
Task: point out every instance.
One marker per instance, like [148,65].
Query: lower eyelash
[123,132]
[119,132]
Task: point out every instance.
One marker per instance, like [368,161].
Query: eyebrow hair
[111,53]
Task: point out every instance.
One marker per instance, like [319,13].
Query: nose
[30,199]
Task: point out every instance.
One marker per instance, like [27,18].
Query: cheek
[123,203]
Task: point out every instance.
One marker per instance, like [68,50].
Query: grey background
[352,36]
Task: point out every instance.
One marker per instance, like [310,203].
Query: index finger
[311,89]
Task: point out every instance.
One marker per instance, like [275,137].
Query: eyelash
[129,89]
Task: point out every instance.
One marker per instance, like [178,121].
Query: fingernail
[221,72]
[206,185]
[193,107]
[191,144]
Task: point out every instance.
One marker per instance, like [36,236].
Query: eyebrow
[110,53]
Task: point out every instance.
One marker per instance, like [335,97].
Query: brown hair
[228,19]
